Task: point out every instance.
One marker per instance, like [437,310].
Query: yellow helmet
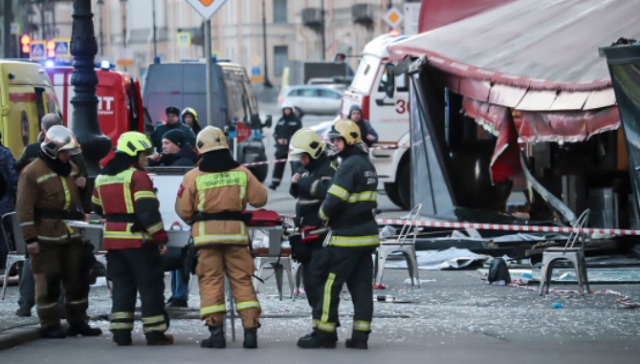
[191,111]
[210,139]
[132,142]
[347,130]
[306,141]
[59,139]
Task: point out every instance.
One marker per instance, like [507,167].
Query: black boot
[122,338]
[216,340]
[83,329]
[273,186]
[358,340]
[250,339]
[318,339]
[23,312]
[177,303]
[157,338]
[53,332]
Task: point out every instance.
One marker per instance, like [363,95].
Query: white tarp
[451,258]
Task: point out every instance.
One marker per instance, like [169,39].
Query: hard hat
[132,142]
[191,111]
[305,141]
[59,139]
[287,105]
[210,139]
[347,130]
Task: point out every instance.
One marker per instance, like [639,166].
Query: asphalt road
[280,200]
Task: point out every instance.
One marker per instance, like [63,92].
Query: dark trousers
[311,288]
[353,266]
[278,172]
[133,270]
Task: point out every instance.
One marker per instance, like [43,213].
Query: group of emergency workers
[334,213]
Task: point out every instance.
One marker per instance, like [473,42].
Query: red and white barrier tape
[504,227]
[385,147]
[623,300]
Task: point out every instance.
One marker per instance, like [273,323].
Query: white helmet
[58,139]
[287,105]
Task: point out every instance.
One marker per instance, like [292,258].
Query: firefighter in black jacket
[348,208]
[288,125]
[309,186]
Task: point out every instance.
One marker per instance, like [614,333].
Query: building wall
[236,31]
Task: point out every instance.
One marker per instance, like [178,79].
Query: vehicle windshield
[366,74]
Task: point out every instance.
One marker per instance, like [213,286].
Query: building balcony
[312,18]
[362,14]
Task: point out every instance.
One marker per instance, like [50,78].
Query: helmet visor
[295,153]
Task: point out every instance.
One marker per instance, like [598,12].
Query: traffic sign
[184,38]
[256,71]
[242,132]
[393,17]
[62,47]
[15,28]
[206,8]
[38,50]
[256,61]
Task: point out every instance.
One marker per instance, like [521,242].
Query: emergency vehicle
[119,95]
[388,116]
[26,95]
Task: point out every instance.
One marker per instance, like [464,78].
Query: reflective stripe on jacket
[40,188]
[128,193]
[219,192]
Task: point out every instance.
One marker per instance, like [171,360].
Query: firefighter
[348,208]
[310,187]
[288,125]
[190,118]
[211,198]
[134,237]
[47,196]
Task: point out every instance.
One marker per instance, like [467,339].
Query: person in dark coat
[173,123]
[177,152]
[288,125]
[368,133]
[8,193]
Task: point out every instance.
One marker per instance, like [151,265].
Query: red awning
[437,13]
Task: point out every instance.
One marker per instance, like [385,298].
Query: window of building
[280,59]
[279,11]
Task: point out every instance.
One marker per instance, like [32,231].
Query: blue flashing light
[49,64]
[105,65]
[156,60]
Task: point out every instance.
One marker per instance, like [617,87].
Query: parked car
[312,99]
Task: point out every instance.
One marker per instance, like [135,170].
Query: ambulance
[119,100]
[26,95]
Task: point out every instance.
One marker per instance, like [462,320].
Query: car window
[402,84]
[306,92]
[329,94]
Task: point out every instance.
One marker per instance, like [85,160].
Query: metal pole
[209,73]
[101,34]
[323,30]
[42,23]
[8,17]
[155,39]
[266,83]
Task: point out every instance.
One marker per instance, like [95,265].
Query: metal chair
[17,256]
[278,259]
[400,244]
[570,252]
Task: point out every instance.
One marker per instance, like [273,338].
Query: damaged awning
[539,58]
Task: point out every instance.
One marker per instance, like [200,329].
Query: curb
[18,336]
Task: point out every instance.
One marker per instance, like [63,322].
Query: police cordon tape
[624,300]
[504,227]
[386,147]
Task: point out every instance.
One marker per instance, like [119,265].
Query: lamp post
[267,83]
[95,145]
[323,34]
[100,4]
[155,39]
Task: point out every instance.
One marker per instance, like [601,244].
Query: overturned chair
[571,252]
[400,244]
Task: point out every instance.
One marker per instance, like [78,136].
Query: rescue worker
[173,123]
[47,196]
[190,119]
[348,208]
[288,125]
[309,186]
[367,132]
[134,237]
[211,199]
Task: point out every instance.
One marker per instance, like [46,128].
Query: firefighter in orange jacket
[211,198]
[134,237]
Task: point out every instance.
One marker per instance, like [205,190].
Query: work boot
[23,312]
[317,340]
[358,340]
[250,339]
[157,338]
[217,339]
[177,303]
[53,332]
[335,336]
[83,329]
[122,338]
[273,187]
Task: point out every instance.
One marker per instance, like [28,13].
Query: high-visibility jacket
[130,207]
[351,200]
[41,189]
[217,193]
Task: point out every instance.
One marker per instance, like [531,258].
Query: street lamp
[267,83]
[95,145]
[101,6]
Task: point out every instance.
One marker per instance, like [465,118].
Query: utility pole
[323,30]
[155,40]
[8,18]
[209,74]
[266,83]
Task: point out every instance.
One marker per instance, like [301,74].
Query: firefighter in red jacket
[134,237]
